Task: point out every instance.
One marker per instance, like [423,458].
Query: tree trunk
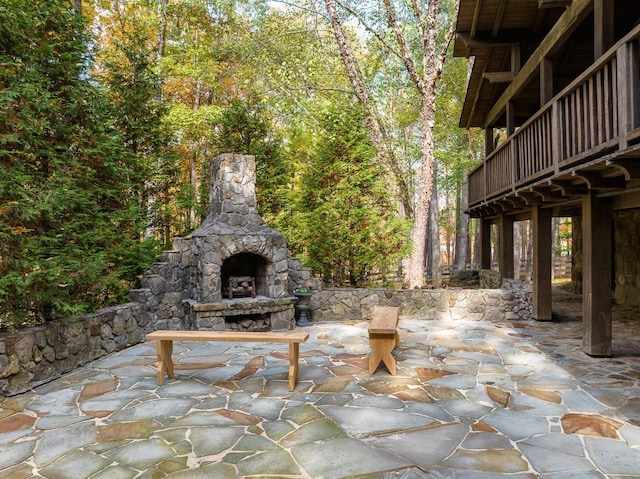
[529,263]
[376,129]
[461,255]
[425,83]
[436,272]
[555,245]
[162,28]
[576,254]
[517,251]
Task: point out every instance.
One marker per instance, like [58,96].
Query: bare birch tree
[376,127]
[424,73]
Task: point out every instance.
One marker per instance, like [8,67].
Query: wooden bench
[383,337]
[164,346]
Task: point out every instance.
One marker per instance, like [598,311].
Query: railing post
[634,84]
[624,92]
[485,180]
[555,135]
[513,151]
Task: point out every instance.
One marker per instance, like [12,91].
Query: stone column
[232,192]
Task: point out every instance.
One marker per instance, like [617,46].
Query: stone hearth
[246,314]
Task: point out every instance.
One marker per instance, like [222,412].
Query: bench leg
[381,347]
[164,349]
[294,352]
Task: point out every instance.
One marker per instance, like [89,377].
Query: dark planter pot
[303,308]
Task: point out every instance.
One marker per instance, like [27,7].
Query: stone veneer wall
[626,226]
[36,355]
[39,354]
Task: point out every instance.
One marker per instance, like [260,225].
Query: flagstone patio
[472,399]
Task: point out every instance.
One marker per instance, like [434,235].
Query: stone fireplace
[234,271]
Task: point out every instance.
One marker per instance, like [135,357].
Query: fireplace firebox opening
[245,265]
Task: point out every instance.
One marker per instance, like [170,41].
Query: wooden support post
[489,145]
[485,243]
[541,219]
[511,117]
[546,81]
[634,85]
[506,246]
[596,280]
[516,61]
[623,77]
[603,27]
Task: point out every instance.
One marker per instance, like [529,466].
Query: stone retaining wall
[39,354]
[334,304]
[36,355]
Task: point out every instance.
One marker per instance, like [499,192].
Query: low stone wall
[334,304]
[41,353]
[36,355]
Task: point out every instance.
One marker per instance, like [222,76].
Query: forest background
[111,111]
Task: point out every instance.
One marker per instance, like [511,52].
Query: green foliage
[347,226]
[127,70]
[68,227]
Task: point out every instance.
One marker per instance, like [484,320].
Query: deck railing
[598,112]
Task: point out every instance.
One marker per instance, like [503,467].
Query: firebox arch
[247,264]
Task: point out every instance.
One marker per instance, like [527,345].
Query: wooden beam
[477,97]
[530,197]
[505,205]
[497,22]
[560,32]
[596,279]
[597,182]
[568,188]
[474,46]
[498,77]
[517,202]
[541,223]
[549,196]
[553,3]
[630,168]
[476,16]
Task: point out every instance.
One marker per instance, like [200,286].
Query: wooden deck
[586,137]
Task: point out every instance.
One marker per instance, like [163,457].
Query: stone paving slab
[471,399]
